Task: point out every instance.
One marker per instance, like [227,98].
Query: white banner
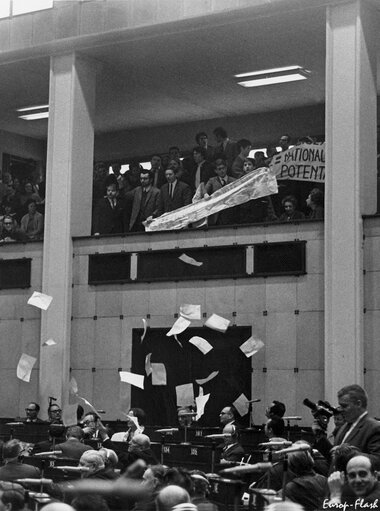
[259,183]
[304,162]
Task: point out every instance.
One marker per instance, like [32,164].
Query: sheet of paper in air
[133,379]
[88,403]
[179,326]
[176,338]
[201,344]
[40,300]
[241,404]
[189,260]
[25,366]
[158,374]
[200,402]
[217,323]
[69,415]
[73,386]
[49,342]
[251,346]
[145,327]
[189,311]
[135,420]
[185,394]
[209,378]
[148,366]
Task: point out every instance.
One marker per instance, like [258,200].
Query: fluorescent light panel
[270,80]
[269,71]
[35,116]
[30,108]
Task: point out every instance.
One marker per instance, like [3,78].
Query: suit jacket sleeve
[187,196]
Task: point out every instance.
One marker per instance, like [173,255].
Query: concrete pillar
[68,209]
[350,183]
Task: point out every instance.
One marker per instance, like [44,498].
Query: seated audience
[32,411]
[174,194]
[108,215]
[110,462]
[315,202]
[245,147]
[94,462]
[170,496]
[201,487]
[32,224]
[180,477]
[232,449]
[139,448]
[13,468]
[91,425]
[89,502]
[10,232]
[54,414]
[276,410]
[136,419]
[73,447]
[289,203]
[227,416]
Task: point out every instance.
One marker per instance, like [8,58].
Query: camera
[322,412]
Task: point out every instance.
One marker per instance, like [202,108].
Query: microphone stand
[250,409]
[213,449]
[162,448]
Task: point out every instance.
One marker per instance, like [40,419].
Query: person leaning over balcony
[32,224]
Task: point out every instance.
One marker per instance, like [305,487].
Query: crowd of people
[334,471]
[128,202]
[21,209]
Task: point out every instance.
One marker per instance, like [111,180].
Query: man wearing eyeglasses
[32,411]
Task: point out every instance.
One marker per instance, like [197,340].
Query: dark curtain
[185,365]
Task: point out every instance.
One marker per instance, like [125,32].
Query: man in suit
[245,147]
[201,139]
[13,469]
[32,411]
[73,447]
[199,171]
[359,429]
[232,449]
[174,194]
[108,212]
[226,148]
[227,216]
[145,202]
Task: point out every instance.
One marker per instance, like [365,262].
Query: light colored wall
[291,340]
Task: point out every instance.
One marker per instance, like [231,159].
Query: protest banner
[305,162]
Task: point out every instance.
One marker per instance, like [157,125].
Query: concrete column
[350,183]
[68,209]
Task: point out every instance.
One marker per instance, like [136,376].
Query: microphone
[284,443]
[73,469]
[48,453]
[167,430]
[188,414]
[218,435]
[253,401]
[292,418]
[15,423]
[29,480]
[246,469]
[101,411]
[294,448]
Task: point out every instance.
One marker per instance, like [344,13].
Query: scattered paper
[179,342]
[251,346]
[209,378]
[179,326]
[40,300]
[189,260]
[201,344]
[241,404]
[132,418]
[185,394]
[148,366]
[69,415]
[145,328]
[133,379]
[189,311]
[158,374]
[88,403]
[200,402]
[25,366]
[217,323]
[49,342]
[73,386]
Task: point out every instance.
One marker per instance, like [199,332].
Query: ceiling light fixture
[274,75]
[30,108]
[35,116]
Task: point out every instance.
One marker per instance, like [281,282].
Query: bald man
[171,496]
[232,450]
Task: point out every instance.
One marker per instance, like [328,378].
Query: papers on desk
[190,311]
[209,378]
[201,344]
[189,260]
[179,326]
[25,366]
[133,379]
[242,405]
[158,374]
[217,323]
[185,394]
[251,346]
[40,300]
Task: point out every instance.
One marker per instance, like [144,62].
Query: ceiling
[165,78]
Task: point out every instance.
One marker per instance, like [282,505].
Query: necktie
[222,182]
[171,190]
